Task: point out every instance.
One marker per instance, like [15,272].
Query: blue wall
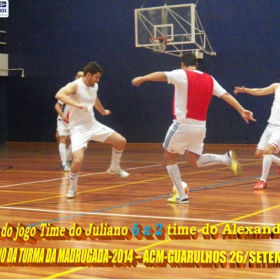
[52,40]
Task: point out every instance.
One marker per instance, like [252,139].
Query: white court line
[50,180]
[96,173]
[133,216]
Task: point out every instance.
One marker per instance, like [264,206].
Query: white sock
[275,159]
[74,180]
[116,159]
[62,152]
[69,153]
[267,161]
[174,173]
[212,159]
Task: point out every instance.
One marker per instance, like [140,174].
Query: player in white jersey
[192,96]
[81,96]
[62,133]
[270,140]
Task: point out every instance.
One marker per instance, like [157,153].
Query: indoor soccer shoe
[235,166]
[178,199]
[71,193]
[65,168]
[185,188]
[260,185]
[119,171]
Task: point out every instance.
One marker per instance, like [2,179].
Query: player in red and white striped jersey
[193,92]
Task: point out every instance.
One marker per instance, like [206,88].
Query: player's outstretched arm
[153,77]
[257,91]
[245,114]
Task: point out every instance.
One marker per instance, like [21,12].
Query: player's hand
[65,119]
[107,113]
[248,116]
[239,89]
[82,106]
[137,81]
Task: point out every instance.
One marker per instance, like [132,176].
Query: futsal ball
[185,187]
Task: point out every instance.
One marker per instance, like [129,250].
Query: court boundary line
[84,175]
[166,241]
[104,172]
[157,243]
[131,216]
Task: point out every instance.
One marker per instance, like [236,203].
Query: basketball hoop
[159,44]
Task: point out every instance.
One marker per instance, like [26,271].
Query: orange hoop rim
[164,39]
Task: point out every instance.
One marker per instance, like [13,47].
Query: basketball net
[159,44]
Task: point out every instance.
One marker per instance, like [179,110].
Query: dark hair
[189,59]
[92,68]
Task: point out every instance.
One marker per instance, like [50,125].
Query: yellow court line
[217,225]
[168,240]
[61,172]
[258,162]
[63,273]
[26,192]
[100,189]
[117,186]
[252,214]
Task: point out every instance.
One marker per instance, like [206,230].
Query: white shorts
[62,128]
[271,135]
[185,136]
[81,135]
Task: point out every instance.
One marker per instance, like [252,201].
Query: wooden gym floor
[33,189]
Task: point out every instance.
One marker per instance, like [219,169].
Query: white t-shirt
[87,96]
[275,109]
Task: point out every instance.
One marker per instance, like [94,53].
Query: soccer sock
[275,159]
[74,180]
[62,152]
[267,160]
[174,173]
[69,153]
[116,158]
[212,159]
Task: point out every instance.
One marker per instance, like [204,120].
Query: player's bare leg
[118,142]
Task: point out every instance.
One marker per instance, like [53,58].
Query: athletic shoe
[178,199]
[119,171]
[71,193]
[260,185]
[65,168]
[235,166]
[185,188]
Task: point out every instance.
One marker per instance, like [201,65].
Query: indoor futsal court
[34,191]
[125,228]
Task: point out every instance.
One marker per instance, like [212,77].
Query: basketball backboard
[172,29]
